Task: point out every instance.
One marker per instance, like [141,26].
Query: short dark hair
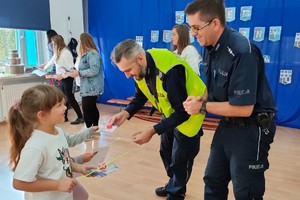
[207,9]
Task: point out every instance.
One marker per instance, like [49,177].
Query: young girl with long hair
[39,154]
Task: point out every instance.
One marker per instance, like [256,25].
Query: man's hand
[144,136]
[118,119]
[192,105]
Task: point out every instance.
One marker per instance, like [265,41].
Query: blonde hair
[86,44]
[23,116]
[59,44]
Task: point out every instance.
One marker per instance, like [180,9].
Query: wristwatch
[203,108]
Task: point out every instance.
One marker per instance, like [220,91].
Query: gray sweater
[77,139]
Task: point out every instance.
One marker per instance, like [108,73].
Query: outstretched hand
[95,128]
[85,168]
[86,157]
[118,119]
[143,136]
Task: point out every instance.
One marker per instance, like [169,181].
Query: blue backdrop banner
[269,24]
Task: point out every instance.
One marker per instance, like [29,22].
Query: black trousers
[90,111]
[67,88]
[177,152]
[239,152]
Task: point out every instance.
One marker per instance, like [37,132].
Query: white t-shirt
[45,156]
[192,57]
[63,64]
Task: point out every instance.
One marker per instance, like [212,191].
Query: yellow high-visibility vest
[164,61]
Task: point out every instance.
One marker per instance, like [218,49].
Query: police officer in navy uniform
[239,92]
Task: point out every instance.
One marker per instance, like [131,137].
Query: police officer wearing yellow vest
[166,80]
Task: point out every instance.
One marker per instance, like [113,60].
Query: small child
[39,154]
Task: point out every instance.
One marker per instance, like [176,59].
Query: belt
[244,121]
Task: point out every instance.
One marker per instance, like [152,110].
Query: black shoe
[161,191]
[78,121]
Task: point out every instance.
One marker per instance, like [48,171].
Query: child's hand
[86,168]
[66,184]
[86,157]
[102,166]
[95,128]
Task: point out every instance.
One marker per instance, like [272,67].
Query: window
[7,43]
[30,44]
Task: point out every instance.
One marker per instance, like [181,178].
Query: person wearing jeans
[90,72]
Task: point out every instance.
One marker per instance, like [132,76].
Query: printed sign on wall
[266,58]
[259,34]
[167,36]
[245,32]
[230,14]
[297,40]
[139,40]
[285,76]
[274,33]
[179,17]
[154,36]
[246,13]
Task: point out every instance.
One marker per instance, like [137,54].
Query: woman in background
[91,78]
[64,65]
[50,33]
[183,47]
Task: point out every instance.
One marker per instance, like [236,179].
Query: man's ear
[216,23]
[140,58]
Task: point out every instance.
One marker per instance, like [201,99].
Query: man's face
[202,30]
[132,68]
